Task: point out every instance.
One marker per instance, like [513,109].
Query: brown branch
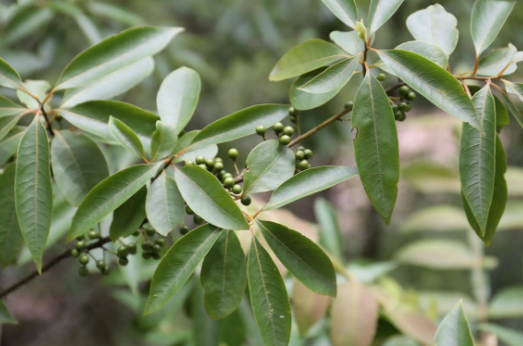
[49,265]
[47,122]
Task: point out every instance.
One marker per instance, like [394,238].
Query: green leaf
[5,316]
[454,330]
[400,341]
[165,206]
[37,88]
[380,11]
[329,227]
[477,162]
[268,294]
[113,12]
[516,113]
[345,10]
[334,77]
[128,217]
[308,307]
[508,303]
[301,256]
[502,118]
[496,61]
[376,146]
[108,195]
[433,82]
[93,117]
[178,97]
[436,26]
[240,124]
[438,218]
[302,100]
[10,236]
[205,195]
[270,164]
[178,264]
[306,57]
[348,41]
[9,144]
[499,199]
[78,165]
[427,50]
[8,107]
[8,76]
[114,53]
[33,190]
[224,276]
[354,316]
[205,331]
[110,85]
[309,182]
[25,22]
[126,136]
[163,141]
[508,336]
[486,21]
[7,123]
[190,153]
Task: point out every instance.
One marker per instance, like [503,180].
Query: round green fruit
[285,139]
[246,200]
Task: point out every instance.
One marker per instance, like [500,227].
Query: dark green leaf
[9,144]
[270,164]
[380,11]
[25,22]
[126,136]
[224,276]
[7,123]
[454,330]
[302,100]
[113,12]
[345,10]
[165,206]
[108,195]
[333,77]
[348,41]
[486,22]
[478,158]
[33,190]
[178,264]
[128,217]
[499,199]
[435,83]
[516,113]
[78,165]
[427,50]
[508,336]
[206,332]
[178,96]
[10,236]
[240,124]
[233,329]
[309,182]
[306,57]
[269,300]
[502,118]
[115,53]
[8,107]
[301,256]
[163,141]
[329,228]
[8,76]
[376,146]
[205,195]
[436,26]
[5,316]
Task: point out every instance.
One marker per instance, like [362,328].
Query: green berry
[404,90]
[188,163]
[80,245]
[80,238]
[292,118]
[285,139]
[225,176]
[147,245]
[233,153]
[405,107]
[100,265]
[411,96]
[292,111]
[400,116]
[184,230]
[150,232]
[83,259]
[197,220]
[236,189]
[299,155]
[209,163]
[83,271]
[288,130]
[75,253]
[278,128]
[122,251]
[260,130]
[146,254]
[218,166]
[131,248]
[157,256]
[220,174]
[136,233]
[394,108]
[123,261]
[246,200]
[300,148]
[303,165]
[349,104]
[218,159]
[203,165]
[156,248]
[160,242]
[93,235]
[381,77]
[228,182]
[308,153]
[200,159]
[189,211]
[106,270]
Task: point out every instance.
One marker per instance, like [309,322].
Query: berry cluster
[302,155]
[404,106]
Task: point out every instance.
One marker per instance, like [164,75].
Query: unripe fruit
[411,96]
[228,182]
[80,245]
[405,107]
[218,166]
[122,251]
[106,270]
[303,165]
[200,159]
[292,111]
[136,233]
[404,90]
[233,153]
[381,77]
[150,232]
[278,128]
[146,254]
[400,116]
[189,211]
[184,230]
[218,159]
[299,155]
[146,245]
[197,220]
[284,140]
[300,148]
[394,108]
[160,242]
[236,189]
[157,256]
[260,130]
[288,130]
[188,163]
[156,248]
[93,235]
[83,259]
[131,248]
[83,271]
[80,238]
[100,265]
[308,153]
[292,118]
[349,104]
[123,261]
[203,165]
[75,253]
[246,200]
[209,163]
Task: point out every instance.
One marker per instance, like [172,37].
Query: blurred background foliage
[429,256]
